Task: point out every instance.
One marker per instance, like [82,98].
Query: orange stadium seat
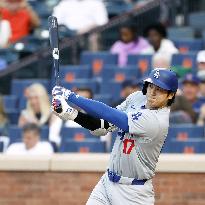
[187,60]
[70,73]
[18,86]
[188,147]
[81,83]
[15,133]
[97,60]
[76,134]
[187,45]
[184,132]
[143,62]
[111,87]
[120,74]
[83,146]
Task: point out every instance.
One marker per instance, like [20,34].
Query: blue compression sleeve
[102,111]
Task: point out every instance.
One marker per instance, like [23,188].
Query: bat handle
[58,80]
[58,106]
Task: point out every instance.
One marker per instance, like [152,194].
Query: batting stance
[142,121]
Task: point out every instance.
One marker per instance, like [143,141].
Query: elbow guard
[102,130]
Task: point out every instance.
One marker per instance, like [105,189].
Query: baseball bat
[54,43]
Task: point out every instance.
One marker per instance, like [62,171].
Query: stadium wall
[69,179]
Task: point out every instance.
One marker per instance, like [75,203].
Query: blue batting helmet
[163,78]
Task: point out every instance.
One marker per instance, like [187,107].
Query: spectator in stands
[157,37]
[182,111]
[200,59]
[181,71]
[201,75]
[54,131]
[129,43]
[81,15]
[202,88]
[3,119]
[21,16]
[55,128]
[5,32]
[190,90]
[31,144]
[129,86]
[201,118]
[85,92]
[160,61]
[201,71]
[37,108]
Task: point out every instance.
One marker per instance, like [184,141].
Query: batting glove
[67,112]
[61,91]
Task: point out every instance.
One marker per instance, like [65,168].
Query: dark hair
[31,127]
[86,90]
[171,101]
[130,26]
[144,91]
[2,110]
[157,27]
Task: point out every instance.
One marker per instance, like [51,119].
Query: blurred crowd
[189,107]
[18,19]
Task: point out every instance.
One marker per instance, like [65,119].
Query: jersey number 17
[128,145]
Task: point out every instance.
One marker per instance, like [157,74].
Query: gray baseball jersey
[136,153]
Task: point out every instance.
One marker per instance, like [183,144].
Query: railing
[80,42]
[72,43]
[39,64]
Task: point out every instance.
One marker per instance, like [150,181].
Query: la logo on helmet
[156,75]
[56,53]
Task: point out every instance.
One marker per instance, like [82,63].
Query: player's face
[201,66]
[154,38]
[190,91]
[157,97]
[30,138]
[202,88]
[126,35]
[34,103]
[13,5]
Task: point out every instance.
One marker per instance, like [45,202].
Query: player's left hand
[61,91]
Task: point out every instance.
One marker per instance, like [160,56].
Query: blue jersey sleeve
[102,111]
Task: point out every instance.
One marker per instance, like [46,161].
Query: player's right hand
[67,112]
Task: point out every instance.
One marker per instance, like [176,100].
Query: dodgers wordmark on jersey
[136,153]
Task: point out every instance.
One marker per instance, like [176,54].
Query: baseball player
[142,121]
